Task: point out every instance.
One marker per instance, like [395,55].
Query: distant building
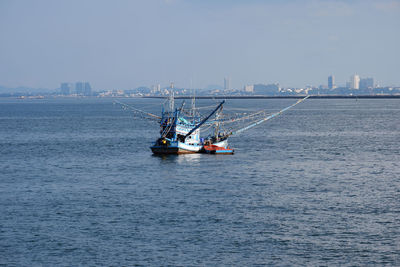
[270,89]
[331,82]
[323,87]
[156,89]
[66,88]
[83,88]
[87,90]
[367,83]
[354,82]
[227,83]
[79,88]
[249,88]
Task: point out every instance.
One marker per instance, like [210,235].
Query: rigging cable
[266,118]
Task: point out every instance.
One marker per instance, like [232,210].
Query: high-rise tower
[331,82]
[83,88]
[227,83]
[355,82]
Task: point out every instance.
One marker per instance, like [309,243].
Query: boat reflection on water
[189,158]
[183,158]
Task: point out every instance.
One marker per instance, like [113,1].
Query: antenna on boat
[193,103]
[171,98]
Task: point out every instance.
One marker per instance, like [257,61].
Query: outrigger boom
[266,118]
[205,119]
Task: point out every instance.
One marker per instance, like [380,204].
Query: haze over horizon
[125,44]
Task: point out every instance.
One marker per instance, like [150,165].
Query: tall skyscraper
[331,82]
[355,82]
[367,83]
[79,88]
[227,83]
[87,90]
[83,88]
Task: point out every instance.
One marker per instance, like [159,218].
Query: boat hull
[176,148]
[170,150]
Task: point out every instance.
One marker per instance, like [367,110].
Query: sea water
[318,185]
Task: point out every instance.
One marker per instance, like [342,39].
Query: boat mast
[217,124]
[193,111]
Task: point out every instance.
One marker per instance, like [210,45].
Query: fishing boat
[180,128]
[179,133]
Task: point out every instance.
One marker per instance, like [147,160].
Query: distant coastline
[283,97]
[212,97]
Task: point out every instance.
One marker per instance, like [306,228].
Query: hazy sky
[124,44]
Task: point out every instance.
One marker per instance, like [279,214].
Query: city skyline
[127,44]
[84,88]
[356,81]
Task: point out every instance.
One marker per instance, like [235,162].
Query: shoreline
[285,97]
[217,97]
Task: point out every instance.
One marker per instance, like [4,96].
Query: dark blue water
[319,185]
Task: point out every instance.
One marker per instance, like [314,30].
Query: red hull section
[213,149]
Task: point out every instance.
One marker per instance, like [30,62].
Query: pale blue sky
[123,44]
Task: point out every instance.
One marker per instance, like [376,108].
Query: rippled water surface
[319,185]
